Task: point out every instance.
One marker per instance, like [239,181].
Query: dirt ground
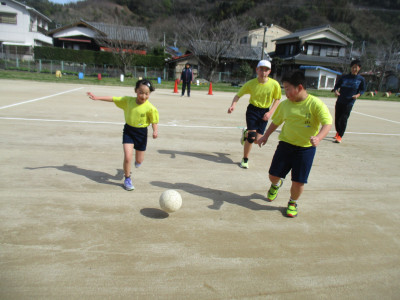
[70,231]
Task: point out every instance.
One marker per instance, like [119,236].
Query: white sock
[137,165]
[278,184]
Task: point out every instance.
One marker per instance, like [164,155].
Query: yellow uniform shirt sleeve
[137,115]
[261,94]
[301,120]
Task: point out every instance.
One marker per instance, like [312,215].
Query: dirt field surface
[69,230]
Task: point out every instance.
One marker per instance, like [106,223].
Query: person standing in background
[186,79]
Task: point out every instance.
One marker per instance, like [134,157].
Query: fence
[72,68]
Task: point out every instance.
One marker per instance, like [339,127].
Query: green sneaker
[273,191]
[243,137]
[244,165]
[291,210]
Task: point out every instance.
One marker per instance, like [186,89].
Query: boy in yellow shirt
[301,115]
[139,114]
[265,94]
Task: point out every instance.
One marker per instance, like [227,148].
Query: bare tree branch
[210,42]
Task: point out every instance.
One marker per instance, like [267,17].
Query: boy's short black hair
[295,78]
[355,62]
[145,82]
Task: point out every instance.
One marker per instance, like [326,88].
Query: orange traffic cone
[176,87]
[210,89]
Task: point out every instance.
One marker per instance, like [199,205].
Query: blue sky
[63,1]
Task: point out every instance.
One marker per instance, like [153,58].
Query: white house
[319,77]
[21,28]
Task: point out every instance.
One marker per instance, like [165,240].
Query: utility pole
[263,43]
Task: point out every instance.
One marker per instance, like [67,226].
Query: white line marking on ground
[356,112]
[377,117]
[41,98]
[174,125]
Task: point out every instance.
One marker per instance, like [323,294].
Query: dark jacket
[187,75]
[349,86]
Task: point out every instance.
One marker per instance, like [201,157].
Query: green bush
[94,57]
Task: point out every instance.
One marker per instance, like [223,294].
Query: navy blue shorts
[289,157]
[254,119]
[135,136]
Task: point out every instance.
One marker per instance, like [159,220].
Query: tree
[388,60]
[118,40]
[209,42]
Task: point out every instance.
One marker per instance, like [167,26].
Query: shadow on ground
[97,176]
[217,158]
[218,197]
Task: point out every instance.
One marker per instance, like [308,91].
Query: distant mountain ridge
[364,21]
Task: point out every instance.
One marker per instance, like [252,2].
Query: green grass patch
[169,85]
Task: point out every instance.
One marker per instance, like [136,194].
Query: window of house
[291,51]
[8,18]
[316,50]
[332,51]
[331,82]
[310,49]
[322,81]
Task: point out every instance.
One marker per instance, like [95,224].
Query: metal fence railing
[73,68]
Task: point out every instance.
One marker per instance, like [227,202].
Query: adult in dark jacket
[348,88]
[186,79]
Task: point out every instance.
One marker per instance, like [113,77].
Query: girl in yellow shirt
[139,114]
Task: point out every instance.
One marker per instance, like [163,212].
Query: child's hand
[315,141]
[91,96]
[262,141]
[337,93]
[155,134]
[267,116]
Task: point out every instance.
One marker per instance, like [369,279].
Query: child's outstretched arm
[321,135]
[155,130]
[263,140]
[233,105]
[102,98]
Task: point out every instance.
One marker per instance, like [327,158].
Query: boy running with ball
[301,115]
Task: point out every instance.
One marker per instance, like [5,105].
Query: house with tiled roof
[322,46]
[230,58]
[21,29]
[95,36]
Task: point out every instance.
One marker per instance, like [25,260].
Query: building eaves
[121,32]
[28,8]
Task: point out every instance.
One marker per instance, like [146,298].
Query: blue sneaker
[128,184]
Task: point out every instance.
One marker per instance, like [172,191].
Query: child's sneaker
[128,184]
[243,138]
[338,139]
[273,191]
[244,164]
[291,210]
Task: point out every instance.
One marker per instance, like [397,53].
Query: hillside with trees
[367,22]
[372,25]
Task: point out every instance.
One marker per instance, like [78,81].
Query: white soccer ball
[170,201]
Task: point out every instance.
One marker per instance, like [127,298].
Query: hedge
[94,57]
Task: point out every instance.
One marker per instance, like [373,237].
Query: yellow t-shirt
[301,120]
[261,94]
[136,115]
